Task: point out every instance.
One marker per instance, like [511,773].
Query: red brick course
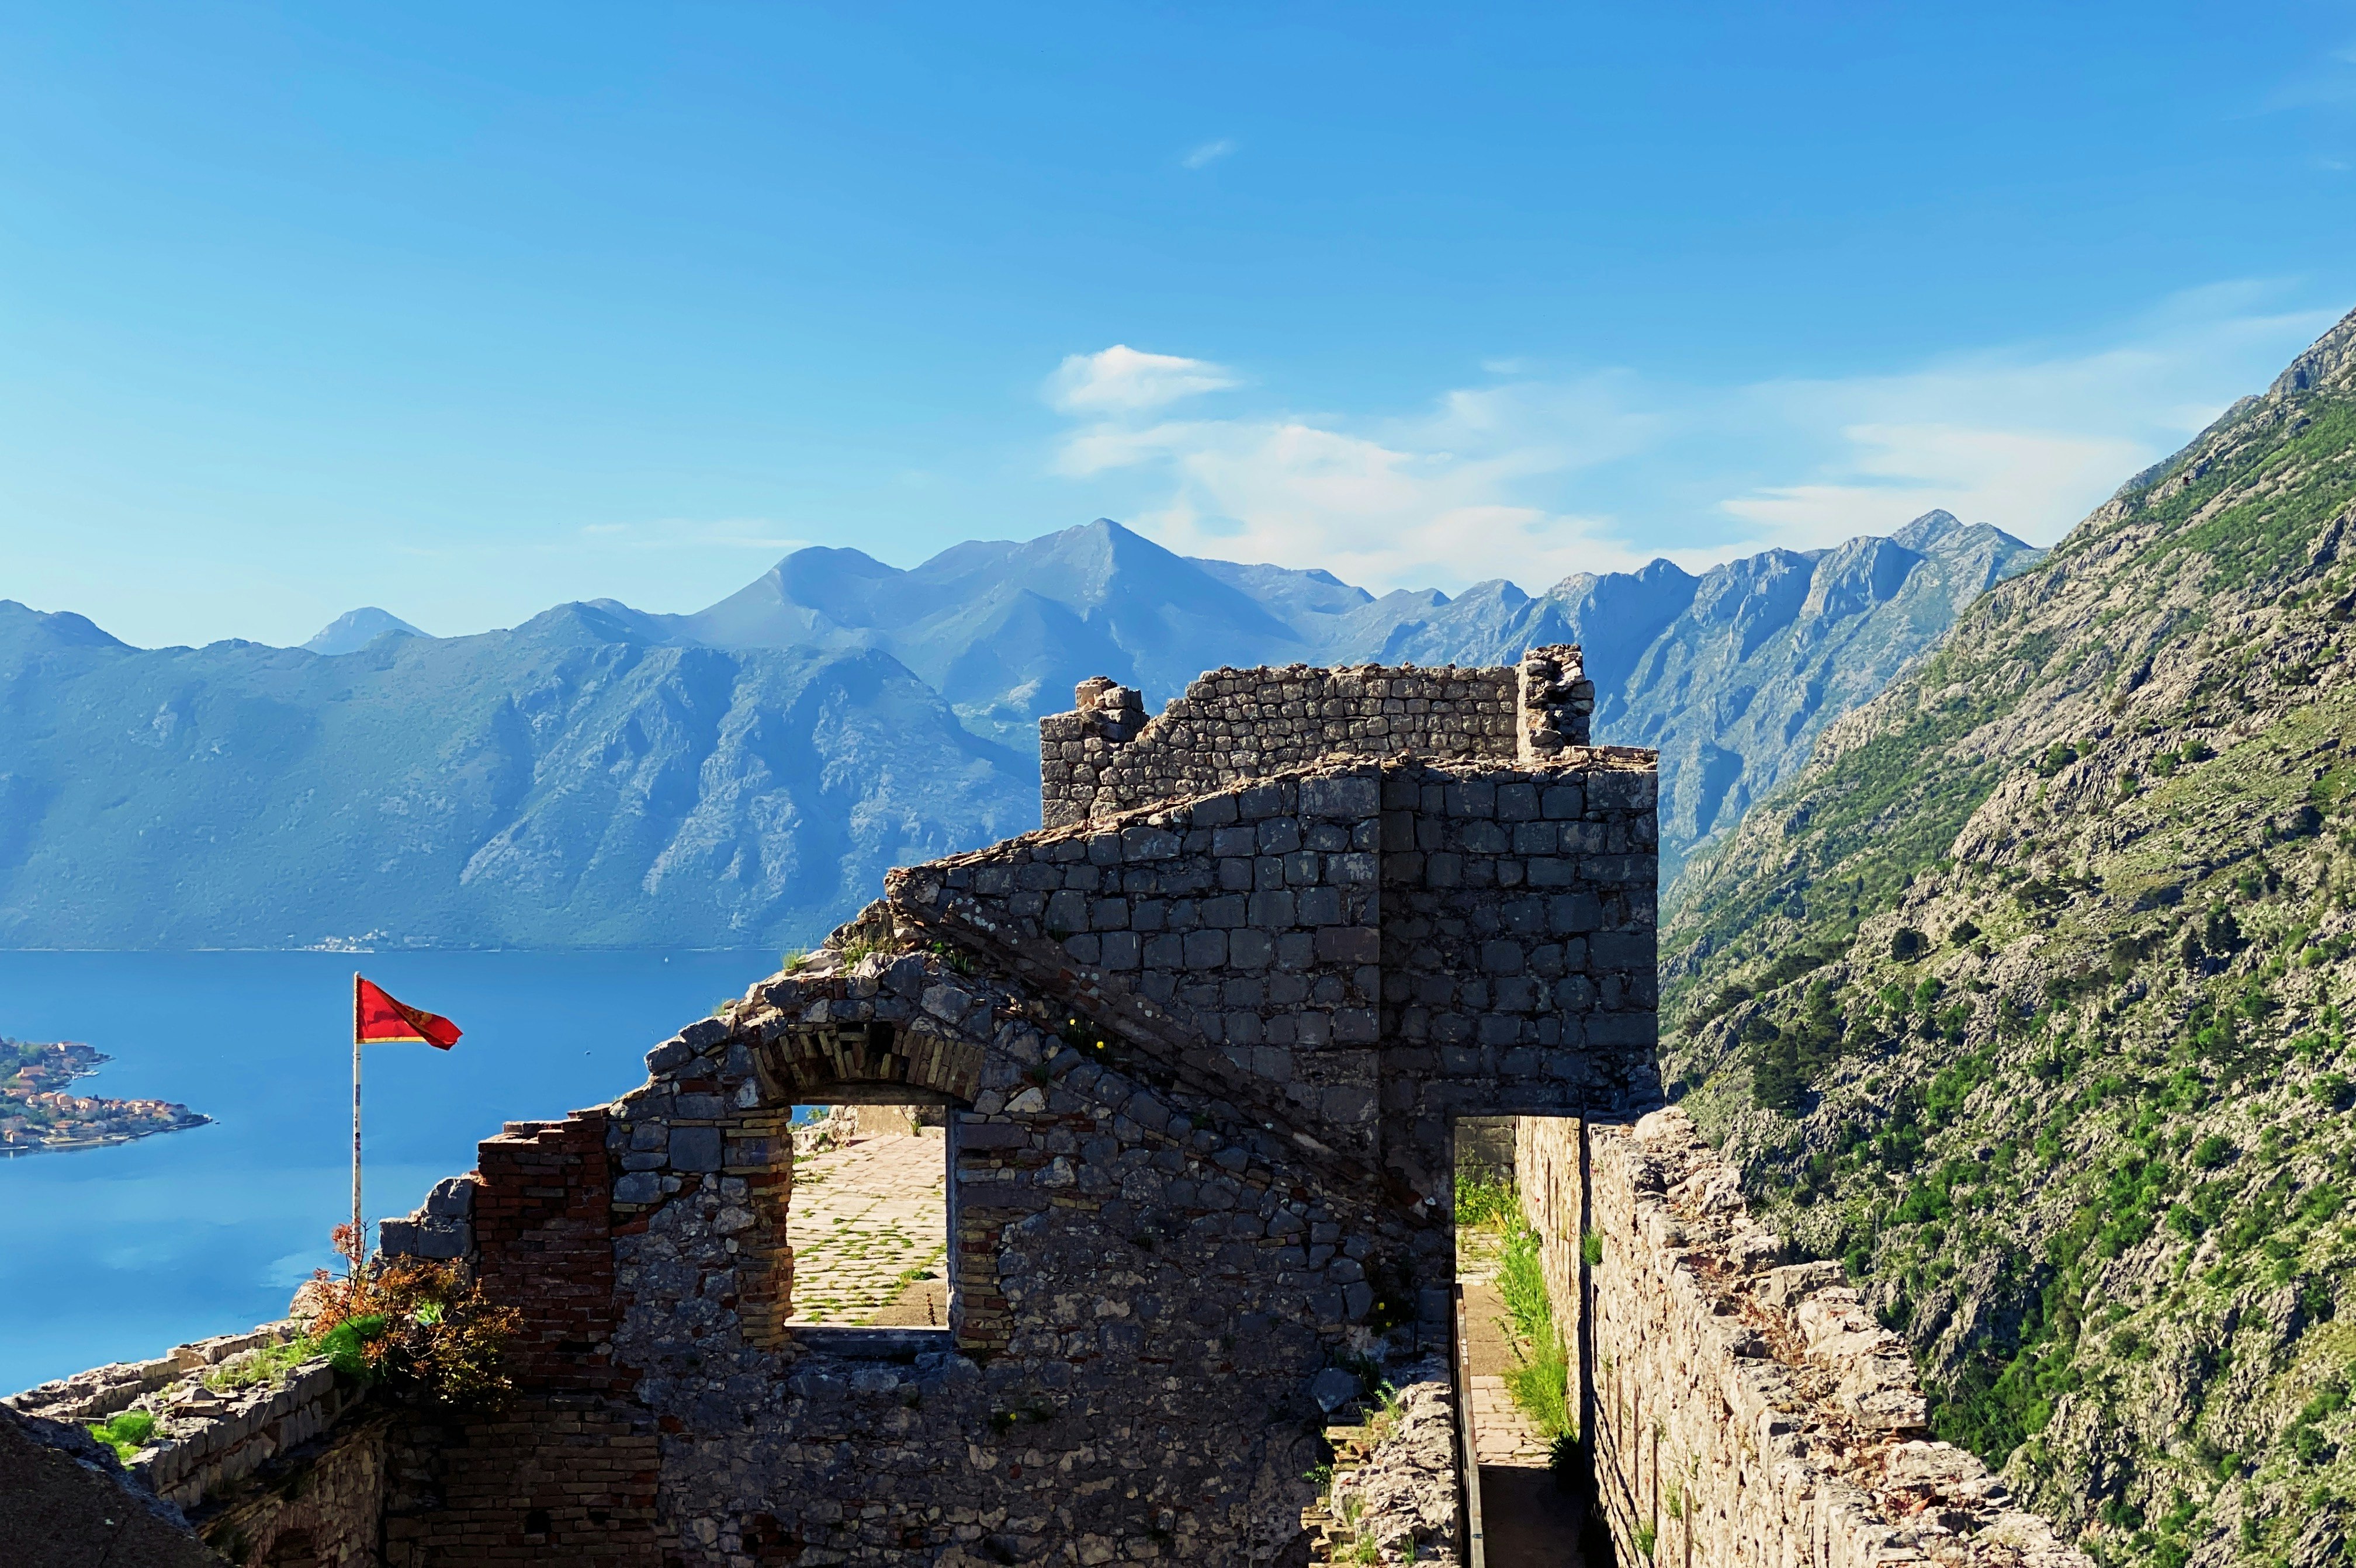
[543,1222]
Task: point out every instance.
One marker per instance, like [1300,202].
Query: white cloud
[1207,155]
[1120,379]
[1905,470]
[1399,502]
[2031,441]
[1534,478]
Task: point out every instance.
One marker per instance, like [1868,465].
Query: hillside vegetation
[2026,1000]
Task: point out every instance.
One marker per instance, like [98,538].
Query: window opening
[867,1222]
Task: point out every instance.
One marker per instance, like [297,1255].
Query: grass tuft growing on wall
[1541,1385]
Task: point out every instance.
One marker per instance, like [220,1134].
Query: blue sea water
[113,1253]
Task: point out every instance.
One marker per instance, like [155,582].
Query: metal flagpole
[359,1249]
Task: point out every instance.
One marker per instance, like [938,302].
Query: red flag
[377,1017]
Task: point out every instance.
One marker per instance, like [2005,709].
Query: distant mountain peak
[62,628]
[356,629]
[1938,527]
[1931,526]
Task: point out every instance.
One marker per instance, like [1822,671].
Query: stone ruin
[1200,1044]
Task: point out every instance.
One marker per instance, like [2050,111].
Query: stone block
[695,1148]
[1332,1388]
[671,1055]
[452,1198]
[1348,945]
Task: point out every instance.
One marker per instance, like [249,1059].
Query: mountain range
[1731,674]
[2028,997]
[739,777]
[568,784]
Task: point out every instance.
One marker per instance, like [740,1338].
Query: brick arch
[848,1063]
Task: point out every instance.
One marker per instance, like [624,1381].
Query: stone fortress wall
[1740,1410]
[1199,1045]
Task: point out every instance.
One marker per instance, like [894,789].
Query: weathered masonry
[1201,1043]
[1741,1410]
[1235,725]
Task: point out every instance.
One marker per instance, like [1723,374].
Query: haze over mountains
[739,777]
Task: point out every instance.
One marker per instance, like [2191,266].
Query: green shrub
[126,1433]
[345,1345]
[1521,1282]
[1788,968]
[1540,1385]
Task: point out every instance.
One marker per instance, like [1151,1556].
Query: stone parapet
[101,1391]
[1743,1411]
[217,1450]
[1234,725]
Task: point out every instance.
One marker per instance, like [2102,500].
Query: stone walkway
[1502,1435]
[1527,1519]
[866,1218]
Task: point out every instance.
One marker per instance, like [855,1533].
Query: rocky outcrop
[66,1502]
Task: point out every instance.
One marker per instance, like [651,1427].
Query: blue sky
[466,310]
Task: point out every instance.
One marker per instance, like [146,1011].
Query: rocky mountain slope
[2026,1000]
[356,629]
[568,784]
[1731,674]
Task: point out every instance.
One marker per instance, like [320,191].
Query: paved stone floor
[1502,1435]
[866,1218]
[1527,1519]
